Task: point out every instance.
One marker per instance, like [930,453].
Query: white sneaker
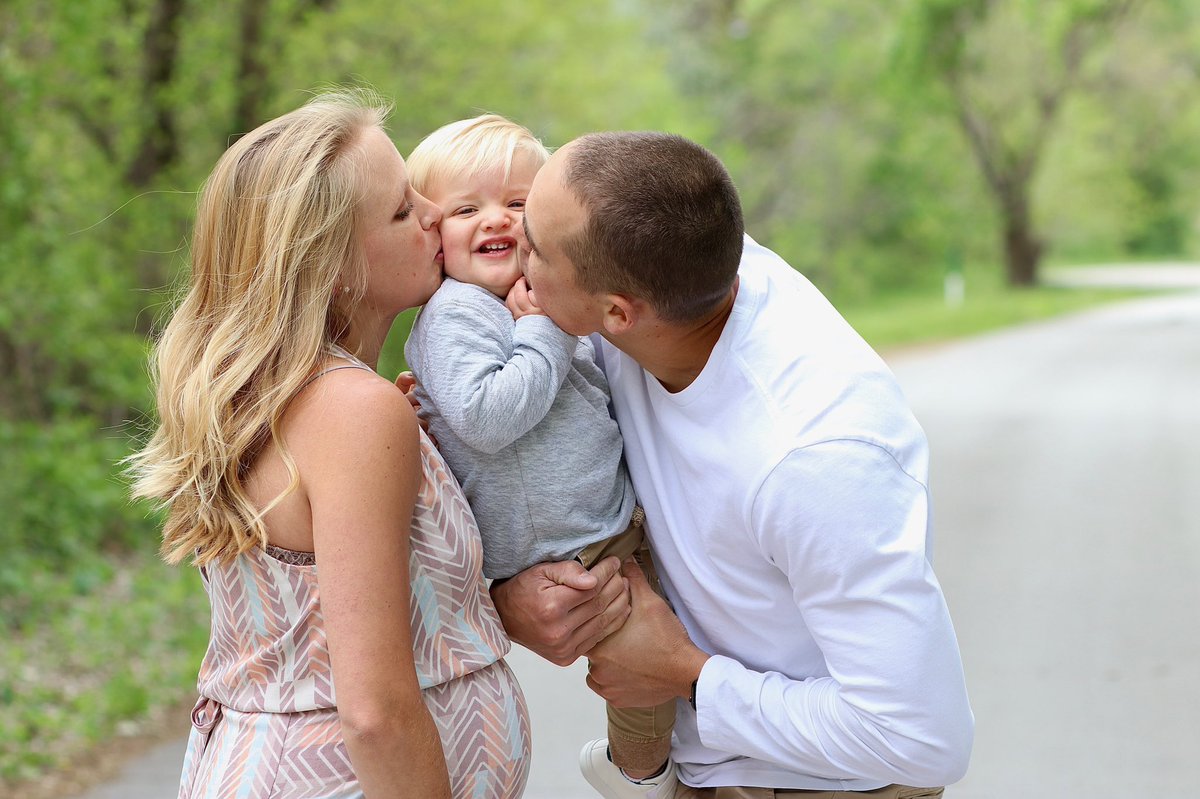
[611,783]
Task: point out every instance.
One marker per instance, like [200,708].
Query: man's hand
[560,610]
[650,659]
[521,301]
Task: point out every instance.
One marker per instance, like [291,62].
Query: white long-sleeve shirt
[788,511]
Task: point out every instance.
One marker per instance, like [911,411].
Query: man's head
[651,216]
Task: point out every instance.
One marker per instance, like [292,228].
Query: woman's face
[400,232]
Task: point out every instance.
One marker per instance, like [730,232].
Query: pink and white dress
[266,724]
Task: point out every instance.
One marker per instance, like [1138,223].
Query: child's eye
[466,209]
[403,213]
[518,204]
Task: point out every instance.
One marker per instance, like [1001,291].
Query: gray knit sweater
[520,413]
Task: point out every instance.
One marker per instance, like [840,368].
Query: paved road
[1066,479]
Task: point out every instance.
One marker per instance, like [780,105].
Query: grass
[919,318]
[98,664]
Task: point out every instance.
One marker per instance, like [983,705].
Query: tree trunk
[1022,248]
[159,146]
[251,80]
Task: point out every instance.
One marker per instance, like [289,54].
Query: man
[784,483]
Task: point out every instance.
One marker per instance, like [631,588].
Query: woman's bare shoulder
[353,408]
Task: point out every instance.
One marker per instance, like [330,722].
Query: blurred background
[924,162]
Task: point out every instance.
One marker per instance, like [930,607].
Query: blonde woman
[355,650]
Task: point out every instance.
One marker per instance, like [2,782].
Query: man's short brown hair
[664,222]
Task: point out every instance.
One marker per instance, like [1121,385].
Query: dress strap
[337,352]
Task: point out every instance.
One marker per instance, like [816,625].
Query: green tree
[838,171]
[116,109]
[1151,85]
[1008,68]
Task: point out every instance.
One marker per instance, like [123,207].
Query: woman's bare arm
[360,468]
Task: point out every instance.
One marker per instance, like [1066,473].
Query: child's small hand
[521,301]
[406,382]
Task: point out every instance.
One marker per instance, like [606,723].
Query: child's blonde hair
[276,239]
[468,147]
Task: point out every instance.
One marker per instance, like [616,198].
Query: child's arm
[488,397]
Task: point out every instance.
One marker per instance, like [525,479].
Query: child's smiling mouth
[499,246]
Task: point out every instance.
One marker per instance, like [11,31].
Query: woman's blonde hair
[467,147]
[276,270]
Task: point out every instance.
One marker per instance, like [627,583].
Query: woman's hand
[561,610]
[406,382]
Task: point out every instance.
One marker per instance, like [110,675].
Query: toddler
[520,408]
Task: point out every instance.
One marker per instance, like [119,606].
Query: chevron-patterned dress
[266,724]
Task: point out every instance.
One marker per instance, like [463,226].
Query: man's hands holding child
[650,659]
[521,301]
[560,610]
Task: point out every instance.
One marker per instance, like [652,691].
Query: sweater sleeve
[894,706]
[488,394]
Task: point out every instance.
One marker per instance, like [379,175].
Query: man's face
[552,216]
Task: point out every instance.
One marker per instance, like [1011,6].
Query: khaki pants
[639,738]
[888,792]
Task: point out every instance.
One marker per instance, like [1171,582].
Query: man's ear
[621,313]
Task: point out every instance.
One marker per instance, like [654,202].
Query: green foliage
[64,510]
[839,122]
[841,165]
[97,660]
[1027,83]
[72,280]
[539,66]
[1121,185]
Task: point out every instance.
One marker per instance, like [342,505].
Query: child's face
[480,219]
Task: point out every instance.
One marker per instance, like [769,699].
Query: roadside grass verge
[96,666]
[901,320]
[97,637]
